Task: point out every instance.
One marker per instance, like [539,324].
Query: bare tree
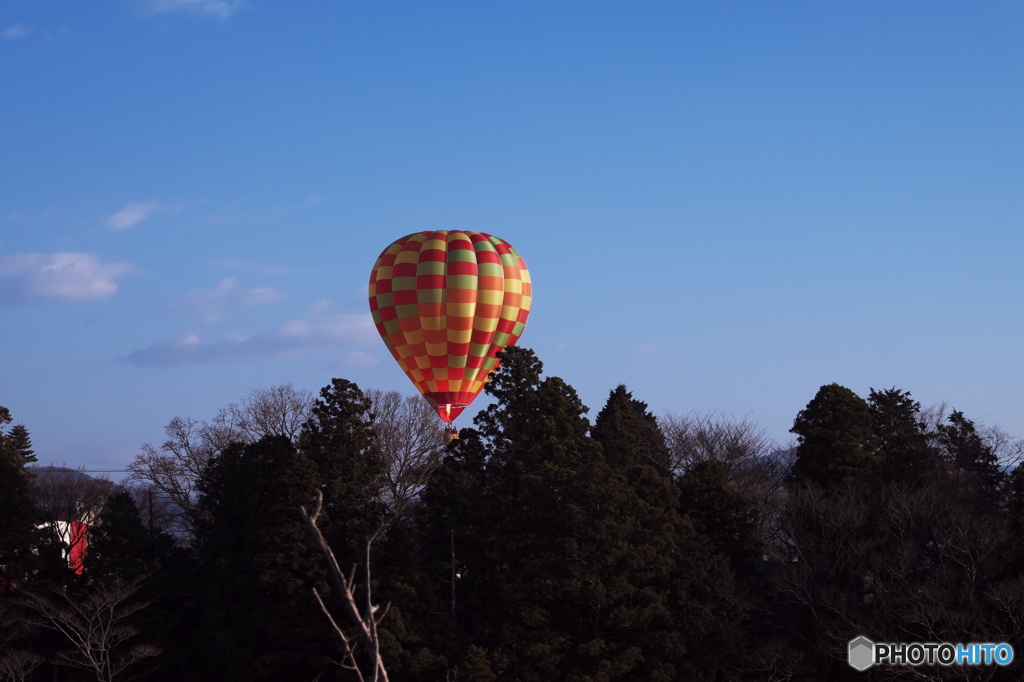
[361,613]
[275,411]
[738,443]
[755,465]
[68,500]
[411,441]
[94,624]
[1009,450]
[16,665]
[900,565]
[174,469]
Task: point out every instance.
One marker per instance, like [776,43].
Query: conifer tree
[964,449]
[120,545]
[18,535]
[835,438]
[565,571]
[724,515]
[629,434]
[901,441]
[338,441]
[257,565]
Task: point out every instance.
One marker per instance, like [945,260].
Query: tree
[94,624]
[409,438]
[16,664]
[174,470]
[965,449]
[339,441]
[374,452]
[176,467]
[560,569]
[835,438]
[629,434]
[361,613]
[739,443]
[257,566]
[905,564]
[724,515]
[121,547]
[68,502]
[905,447]
[124,550]
[17,510]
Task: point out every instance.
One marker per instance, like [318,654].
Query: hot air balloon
[446,303]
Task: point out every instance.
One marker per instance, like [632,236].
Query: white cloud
[222,9]
[291,338]
[16,31]
[65,276]
[211,303]
[262,296]
[133,213]
[321,306]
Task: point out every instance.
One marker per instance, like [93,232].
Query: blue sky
[723,205]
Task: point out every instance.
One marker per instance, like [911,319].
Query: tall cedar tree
[338,441]
[563,571]
[120,545]
[629,434]
[633,443]
[258,563]
[907,453]
[18,533]
[965,449]
[836,440]
[727,517]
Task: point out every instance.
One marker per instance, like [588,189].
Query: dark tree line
[536,546]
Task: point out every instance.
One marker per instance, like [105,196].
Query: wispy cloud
[222,9]
[247,266]
[356,359]
[290,338]
[65,276]
[133,213]
[16,31]
[211,303]
[660,349]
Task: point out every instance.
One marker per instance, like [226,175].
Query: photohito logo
[862,653]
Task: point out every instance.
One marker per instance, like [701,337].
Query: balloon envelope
[446,303]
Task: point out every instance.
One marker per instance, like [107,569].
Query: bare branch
[363,620]
[94,624]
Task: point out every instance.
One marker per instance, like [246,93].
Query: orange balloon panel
[445,304]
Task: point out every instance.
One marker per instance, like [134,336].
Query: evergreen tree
[18,535]
[629,434]
[563,571]
[338,441]
[964,449]
[257,566]
[1015,500]
[18,439]
[835,438]
[907,453]
[121,547]
[724,515]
